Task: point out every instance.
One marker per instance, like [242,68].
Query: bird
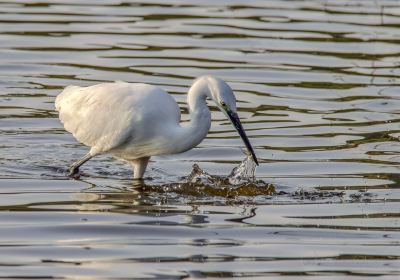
[135,121]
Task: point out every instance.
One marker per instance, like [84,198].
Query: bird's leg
[139,167]
[74,168]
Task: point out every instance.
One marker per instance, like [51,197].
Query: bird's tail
[64,95]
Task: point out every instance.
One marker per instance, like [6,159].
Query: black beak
[238,125]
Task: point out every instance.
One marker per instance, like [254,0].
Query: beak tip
[256,161]
[236,123]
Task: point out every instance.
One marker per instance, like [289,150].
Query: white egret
[135,121]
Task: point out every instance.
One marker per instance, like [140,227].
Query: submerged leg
[139,167]
[74,169]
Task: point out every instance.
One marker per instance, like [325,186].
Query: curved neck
[198,94]
[191,134]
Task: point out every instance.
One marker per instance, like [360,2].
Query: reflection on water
[317,84]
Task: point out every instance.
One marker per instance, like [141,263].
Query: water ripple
[317,85]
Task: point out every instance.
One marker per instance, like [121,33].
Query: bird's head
[222,95]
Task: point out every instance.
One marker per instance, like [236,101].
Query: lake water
[318,89]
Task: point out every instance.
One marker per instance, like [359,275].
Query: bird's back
[107,115]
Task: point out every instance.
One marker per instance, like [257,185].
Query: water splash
[240,185]
[241,182]
[199,176]
[244,173]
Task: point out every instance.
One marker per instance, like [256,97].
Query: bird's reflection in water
[189,203]
[198,188]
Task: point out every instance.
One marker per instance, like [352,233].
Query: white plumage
[135,121]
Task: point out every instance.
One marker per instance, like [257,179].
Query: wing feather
[106,116]
[95,115]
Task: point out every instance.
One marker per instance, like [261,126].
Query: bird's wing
[98,116]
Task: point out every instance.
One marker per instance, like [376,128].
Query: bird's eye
[223,104]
